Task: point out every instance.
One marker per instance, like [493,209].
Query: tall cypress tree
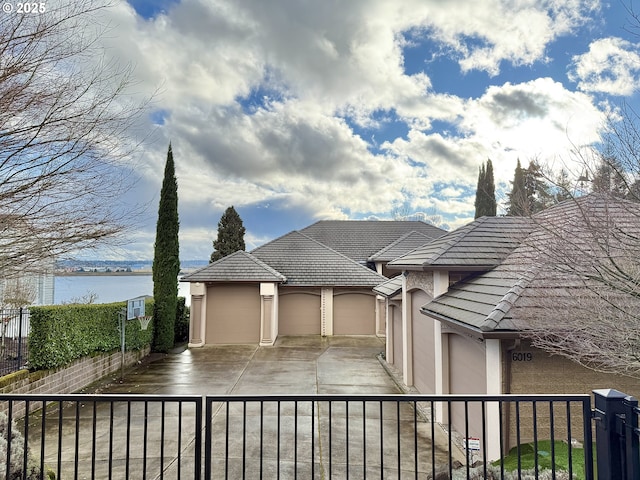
[166,261]
[230,235]
[518,205]
[486,192]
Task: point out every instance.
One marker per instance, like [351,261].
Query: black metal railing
[393,436]
[14,335]
[295,436]
[100,436]
[617,435]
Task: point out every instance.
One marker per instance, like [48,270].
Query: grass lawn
[528,455]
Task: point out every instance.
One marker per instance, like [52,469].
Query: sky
[294,111]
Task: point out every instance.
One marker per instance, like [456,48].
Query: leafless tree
[582,299]
[64,115]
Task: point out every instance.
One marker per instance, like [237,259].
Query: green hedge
[63,333]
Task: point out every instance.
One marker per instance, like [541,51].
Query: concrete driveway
[303,365]
[261,445]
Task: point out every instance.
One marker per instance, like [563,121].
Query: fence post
[632,441]
[20,362]
[609,404]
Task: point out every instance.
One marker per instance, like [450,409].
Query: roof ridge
[338,253]
[262,264]
[509,299]
[398,240]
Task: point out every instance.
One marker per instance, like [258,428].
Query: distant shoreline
[101,274]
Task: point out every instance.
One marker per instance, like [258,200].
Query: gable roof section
[306,262]
[238,267]
[406,243]
[480,245]
[482,302]
[359,239]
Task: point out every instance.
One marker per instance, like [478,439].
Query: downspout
[507,389]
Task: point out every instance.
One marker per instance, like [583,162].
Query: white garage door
[424,368]
[233,314]
[354,313]
[299,312]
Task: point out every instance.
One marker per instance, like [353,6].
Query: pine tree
[166,261]
[230,235]
[609,177]
[518,201]
[486,192]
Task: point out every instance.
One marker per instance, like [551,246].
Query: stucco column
[494,387]
[267,314]
[389,353]
[381,316]
[198,315]
[441,347]
[407,337]
[326,313]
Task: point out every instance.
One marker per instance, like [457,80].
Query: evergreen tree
[609,177]
[538,189]
[166,261]
[517,205]
[531,192]
[486,192]
[230,235]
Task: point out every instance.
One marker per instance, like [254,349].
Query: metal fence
[14,336]
[296,436]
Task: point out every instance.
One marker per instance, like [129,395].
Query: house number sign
[521,356]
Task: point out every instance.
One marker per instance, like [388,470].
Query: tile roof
[390,288]
[306,262]
[359,239]
[479,245]
[406,243]
[552,264]
[237,267]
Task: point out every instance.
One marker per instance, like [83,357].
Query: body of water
[108,288]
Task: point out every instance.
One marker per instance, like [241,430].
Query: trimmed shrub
[63,333]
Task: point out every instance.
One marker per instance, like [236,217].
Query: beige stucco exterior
[256,312]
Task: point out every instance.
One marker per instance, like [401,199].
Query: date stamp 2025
[23,8]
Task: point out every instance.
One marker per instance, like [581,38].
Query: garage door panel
[424,376]
[233,314]
[354,313]
[299,313]
[397,337]
[467,374]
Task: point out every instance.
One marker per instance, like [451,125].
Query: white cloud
[612,66]
[314,70]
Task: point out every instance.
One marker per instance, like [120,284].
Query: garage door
[299,313]
[424,376]
[397,336]
[354,313]
[233,314]
[467,374]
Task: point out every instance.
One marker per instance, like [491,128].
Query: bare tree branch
[63,119]
[584,300]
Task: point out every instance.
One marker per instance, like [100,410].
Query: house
[316,281]
[461,314]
